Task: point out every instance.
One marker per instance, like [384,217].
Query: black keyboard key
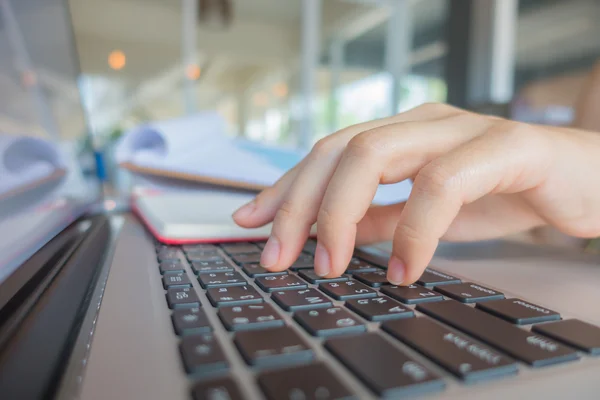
[204,257]
[462,356]
[273,347]
[280,282]
[303,299]
[304,261]
[412,294]
[347,290]
[373,279]
[168,255]
[198,253]
[246,258]
[379,308]
[310,247]
[176,280]
[221,279]
[307,382]
[182,297]
[170,266]
[431,278]
[199,247]
[200,267]
[217,389]
[233,296]
[255,270]
[573,332]
[310,276]
[162,247]
[240,248]
[260,245]
[357,265]
[385,369]
[518,343]
[329,321]
[190,320]
[202,354]
[250,316]
[518,311]
[469,292]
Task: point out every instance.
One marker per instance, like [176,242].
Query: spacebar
[523,345]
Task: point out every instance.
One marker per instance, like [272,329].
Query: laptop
[93,307]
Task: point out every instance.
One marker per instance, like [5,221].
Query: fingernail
[396,270]
[270,254]
[322,261]
[246,210]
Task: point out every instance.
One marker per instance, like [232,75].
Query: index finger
[387,154]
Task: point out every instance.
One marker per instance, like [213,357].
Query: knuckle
[288,211]
[325,146]
[325,217]
[365,145]
[435,179]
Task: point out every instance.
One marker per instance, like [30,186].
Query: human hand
[475,177]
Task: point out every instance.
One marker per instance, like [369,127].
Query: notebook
[196,149]
[27,162]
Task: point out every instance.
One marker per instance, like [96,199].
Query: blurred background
[289,72]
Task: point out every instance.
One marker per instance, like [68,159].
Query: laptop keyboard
[463,330]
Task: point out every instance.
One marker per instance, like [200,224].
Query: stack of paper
[187,153]
[26,162]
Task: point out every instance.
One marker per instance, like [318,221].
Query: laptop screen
[47,165]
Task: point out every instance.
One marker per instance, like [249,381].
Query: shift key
[459,354]
[535,350]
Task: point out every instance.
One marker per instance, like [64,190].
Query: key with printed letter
[462,356]
[233,296]
[190,320]
[176,280]
[221,279]
[528,347]
[303,261]
[310,382]
[412,294]
[431,278]
[386,370]
[379,308]
[295,300]
[170,266]
[250,316]
[202,354]
[280,282]
[329,321]
[518,311]
[469,292]
[252,258]
[573,332]
[357,265]
[310,276]
[347,290]
[217,389]
[255,270]
[182,297]
[273,347]
[200,267]
[373,279]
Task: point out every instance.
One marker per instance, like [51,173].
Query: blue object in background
[283,158]
[100,167]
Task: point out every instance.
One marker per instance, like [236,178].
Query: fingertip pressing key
[270,254]
[322,261]
[396,271]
